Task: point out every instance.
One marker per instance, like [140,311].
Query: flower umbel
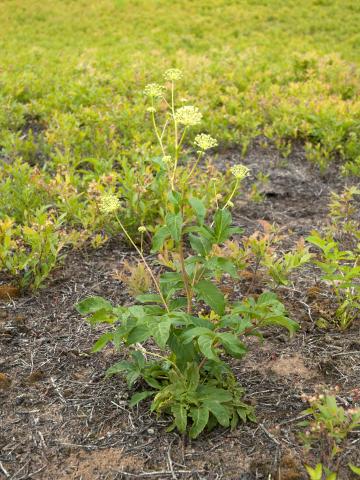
[240,171]
[173,74]
[204,141]
[188,115]
[154,90]
[109,203]
[142,229]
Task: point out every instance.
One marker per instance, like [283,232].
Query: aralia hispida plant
[194,326]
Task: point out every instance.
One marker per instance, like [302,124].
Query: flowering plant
[193,324]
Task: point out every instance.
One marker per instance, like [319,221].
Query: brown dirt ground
[60,419]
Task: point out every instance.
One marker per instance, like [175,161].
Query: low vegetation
[92,153]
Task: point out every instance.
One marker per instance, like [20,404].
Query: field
[230,260]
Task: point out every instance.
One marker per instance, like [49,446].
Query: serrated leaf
[200,418]
[138,358]
[102,342]
[190,334]
[102,316]
[139,396]
[206,347]
[137,311]
[174,223]
[199,208]
[174,198]
[232,344]
[192,375]
[200,245]
[148,298]
[282,321]
[138,334]
[159,238]
[206,392]
[92,304]
[219,411]
[221,264]
[222,222]
[119,367]
[180,416]
[160,329]
[211,295]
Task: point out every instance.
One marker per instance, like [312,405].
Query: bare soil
[61,419]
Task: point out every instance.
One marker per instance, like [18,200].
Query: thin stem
[176,152]
[164,128]
[157,133]
[194,166]
[185,277]
[141,242]
[232,194]
[145,263]
[216,200]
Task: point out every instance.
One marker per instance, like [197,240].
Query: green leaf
[139,396]
[206,392]
[192,375]
[199,209]
[315,473]
[148,298]
[222,222]
[200,418]
[119,367]
[102,342]
[177,303]
[219,411]
[137,311]
[185,353]
[354,469]
[174,223]
[138,334]
[211,295]
[180,415]
[282,321]
[221,264]
[92,304]
[190,334]
[331,476]
[139,359]
[232,344]
[159,238]
[206,347]
[102,316]
[175,199]
[160,329]
[200,245]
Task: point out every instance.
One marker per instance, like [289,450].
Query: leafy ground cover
[83,184]
[72,103]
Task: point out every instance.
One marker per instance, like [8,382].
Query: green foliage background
[285,68]
[73,119]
